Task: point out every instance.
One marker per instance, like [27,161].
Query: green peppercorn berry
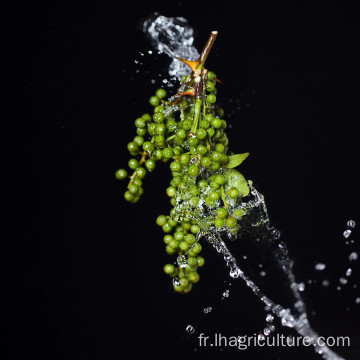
[171,125]
[195,228]
[222,213]
[210,132]
[172,222]
[201,133]
[216,123]
[224,159]
[150,164]
[214,185]
[167,228]
[179,236]
[210,86]
[170,250]
[160,93]
[133,164]
[174,244]
[173,202]
[176,180]
[157,154]
[219,222]
[220,179]
[194,201]
[194,191]
[168,153]
[233,193]
[175,166]
[185,225]
[202,184]
[184,246]
[194,277]
[206,162]
[219,112]
[193,170]
[169,269]
[204,124]
[192,261]
[171,191]
[216,156]
[141,131]
[161,220]
[138,140]
[161,129]
[193,141]
[230,222]
[211,99]
[140,123]
[237,214]
[211,75]
[186,125]
[152,129]
[136,180]
[213,196]
[190,239]
[215,165]
[133,147]
[200,261]
[146,117]
[148,147]
[160,141]
[223,124]
[181,134]
[133,189]
[120,174]
[177,150]
[129,196]
[201,149]
[154,101]
[219,148]
[185,159]
[167,239]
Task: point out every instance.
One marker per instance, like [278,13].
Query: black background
[86,271]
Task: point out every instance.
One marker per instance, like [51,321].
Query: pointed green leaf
[236,160]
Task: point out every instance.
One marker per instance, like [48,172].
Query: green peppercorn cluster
[188,132]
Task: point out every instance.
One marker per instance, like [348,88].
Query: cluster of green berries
[188,132]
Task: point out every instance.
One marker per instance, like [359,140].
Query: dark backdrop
[86,279]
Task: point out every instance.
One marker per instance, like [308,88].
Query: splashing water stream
[175,37]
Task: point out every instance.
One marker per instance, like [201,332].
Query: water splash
[173,36]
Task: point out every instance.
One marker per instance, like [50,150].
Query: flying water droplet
[181,260]
[343,281]
[190,329]
[348,272]
[176,281]
[207,310]
[351,223]
[320,266]
[266,331]
[347,233]
[269,318]
[325,283]
[226,294]
[235,273]
[353,256]
[301,286]
[357,300]
[262,273]
[261,337]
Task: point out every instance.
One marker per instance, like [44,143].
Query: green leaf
[236,160]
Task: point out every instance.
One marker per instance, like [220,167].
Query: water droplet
[190,329]
[343,281]
[262,273]
[301,286]
[226,294]
[353,256]
[276,234]
[181,260]
[235,273]
[320,266]
[272,328]
[351,223]
[357,300]
[325,283]
[266,331]
[207,310]
[244,257]
[176,281]
[150,52]
[348,272]
[269,318]
[261,337]
[338,288]
[347,233]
